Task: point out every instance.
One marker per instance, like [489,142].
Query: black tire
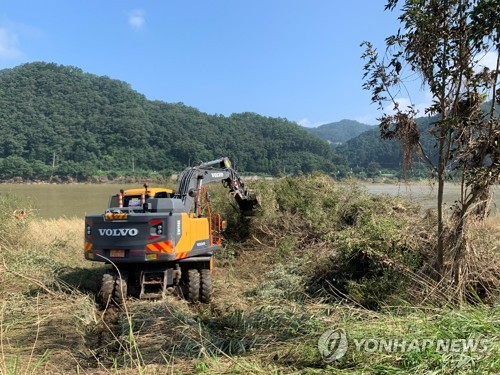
[120,291]
[107,287]
[206,286]
[193,285]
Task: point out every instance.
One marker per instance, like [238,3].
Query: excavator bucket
[249,203]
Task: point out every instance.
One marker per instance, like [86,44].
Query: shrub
[333,240]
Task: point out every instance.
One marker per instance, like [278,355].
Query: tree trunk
[440,241]
[440,231]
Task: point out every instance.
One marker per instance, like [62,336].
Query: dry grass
[45,232]
[493,222]
[44,320]
[45,325]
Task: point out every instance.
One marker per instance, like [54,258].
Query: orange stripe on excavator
[162,247]
[87,246]
[182,255]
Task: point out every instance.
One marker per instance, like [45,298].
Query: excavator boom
[193,178]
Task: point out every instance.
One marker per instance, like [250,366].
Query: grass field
[319,257]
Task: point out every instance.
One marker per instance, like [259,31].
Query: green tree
[15,166]
[442,42]
[373,169]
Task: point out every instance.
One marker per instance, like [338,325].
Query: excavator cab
[135,198]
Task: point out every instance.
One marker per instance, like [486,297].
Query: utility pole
[53,166]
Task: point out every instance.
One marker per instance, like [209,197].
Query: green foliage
[334,240]
[444,43]
[58,120]
[368,147]
[284,281]
[375,255]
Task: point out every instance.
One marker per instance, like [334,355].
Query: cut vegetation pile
[336,241]
[318,256]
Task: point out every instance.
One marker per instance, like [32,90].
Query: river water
[53,201]
[426,194]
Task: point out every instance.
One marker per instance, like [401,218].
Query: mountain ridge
[92,124]
[340,132]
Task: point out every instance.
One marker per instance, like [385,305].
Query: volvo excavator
[159,241]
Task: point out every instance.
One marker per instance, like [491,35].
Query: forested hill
[339,132]
[369,148]
[90,124]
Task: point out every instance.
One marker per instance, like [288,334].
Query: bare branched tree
[442,43]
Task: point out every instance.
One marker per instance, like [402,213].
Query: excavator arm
[193,178]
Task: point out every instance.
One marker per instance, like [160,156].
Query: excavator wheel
[120,291]
[193,285]
[206,285]
[107,287]
[113,289]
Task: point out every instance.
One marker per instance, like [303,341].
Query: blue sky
[293,59]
